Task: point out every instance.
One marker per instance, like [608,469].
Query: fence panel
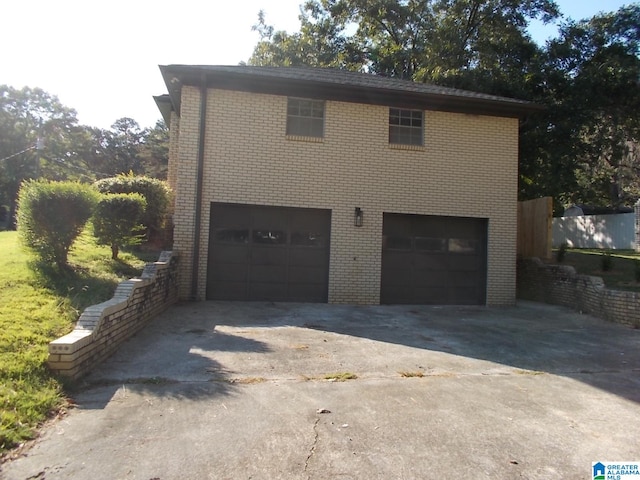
[596,231]
[534,227]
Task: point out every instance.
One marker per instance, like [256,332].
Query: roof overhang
[380,91]
[165,106]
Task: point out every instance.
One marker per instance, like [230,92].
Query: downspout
[195,266]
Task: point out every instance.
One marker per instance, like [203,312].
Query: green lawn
[36,308]
[620,276]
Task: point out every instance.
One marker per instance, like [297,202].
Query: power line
[19,153]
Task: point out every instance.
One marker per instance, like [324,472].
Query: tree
[597,97]
[51,215]
[411,39]
[117,150]
[29,118]
[116,220]
[154,151]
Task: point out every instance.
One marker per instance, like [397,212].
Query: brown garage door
[268,253]
[433,260]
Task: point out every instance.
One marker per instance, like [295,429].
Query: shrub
[51,215]
[116,220]
[156,193]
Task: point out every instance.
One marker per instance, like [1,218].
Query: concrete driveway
[250,391]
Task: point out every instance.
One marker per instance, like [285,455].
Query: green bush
[156,193]
[116,220]
[51,215]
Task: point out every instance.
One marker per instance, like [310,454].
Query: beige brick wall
[102,328]
[174,131]
[468,167]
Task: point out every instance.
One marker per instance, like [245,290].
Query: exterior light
[357,221]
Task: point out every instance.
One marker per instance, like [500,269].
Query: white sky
[101,57]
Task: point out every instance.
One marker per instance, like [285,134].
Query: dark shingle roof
[335,84]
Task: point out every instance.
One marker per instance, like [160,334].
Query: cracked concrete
[313,446]
[230,390]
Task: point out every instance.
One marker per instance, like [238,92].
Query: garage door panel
[396,293]
[268,273]
[463,280]
[311,257]
[420,261]
[229,272]
[268,253]
[226,290]
[229,254]
[305,292]
[433,259]
[467,296]
[465,263]
[274,292]
[430,296]
[395,275]
[307,274]
[397,260]
[423,280]
[261,255]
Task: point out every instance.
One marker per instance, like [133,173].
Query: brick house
[304,184]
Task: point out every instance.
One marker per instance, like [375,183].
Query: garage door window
[308,239]
[463,245]
[269,237]
[431,244]
[232,235]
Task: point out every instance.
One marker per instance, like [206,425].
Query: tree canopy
[584,148]
[41,138]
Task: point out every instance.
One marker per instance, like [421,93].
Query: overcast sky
[101,58]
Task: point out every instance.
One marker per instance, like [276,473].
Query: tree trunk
[114,251]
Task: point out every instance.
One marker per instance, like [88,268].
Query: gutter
[199,187]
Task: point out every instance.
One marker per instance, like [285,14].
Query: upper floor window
[405,126]
[305,117]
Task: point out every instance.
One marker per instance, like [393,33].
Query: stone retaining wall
[561,285]
[103,327]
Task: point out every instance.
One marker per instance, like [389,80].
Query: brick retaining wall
[561,285]
[103,327]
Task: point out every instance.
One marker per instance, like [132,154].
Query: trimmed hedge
[116,219]
[156,192]
[51,215]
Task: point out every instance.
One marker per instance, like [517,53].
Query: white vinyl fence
[596,231]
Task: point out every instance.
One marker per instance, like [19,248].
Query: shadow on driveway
[208,347]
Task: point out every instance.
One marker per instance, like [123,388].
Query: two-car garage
[282,254]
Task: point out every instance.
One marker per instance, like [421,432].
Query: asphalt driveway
[253,390]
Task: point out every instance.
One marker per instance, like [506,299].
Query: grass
[37,305]
[340,376]
[622,266]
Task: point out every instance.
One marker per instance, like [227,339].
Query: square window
[406,126]
[305,118]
